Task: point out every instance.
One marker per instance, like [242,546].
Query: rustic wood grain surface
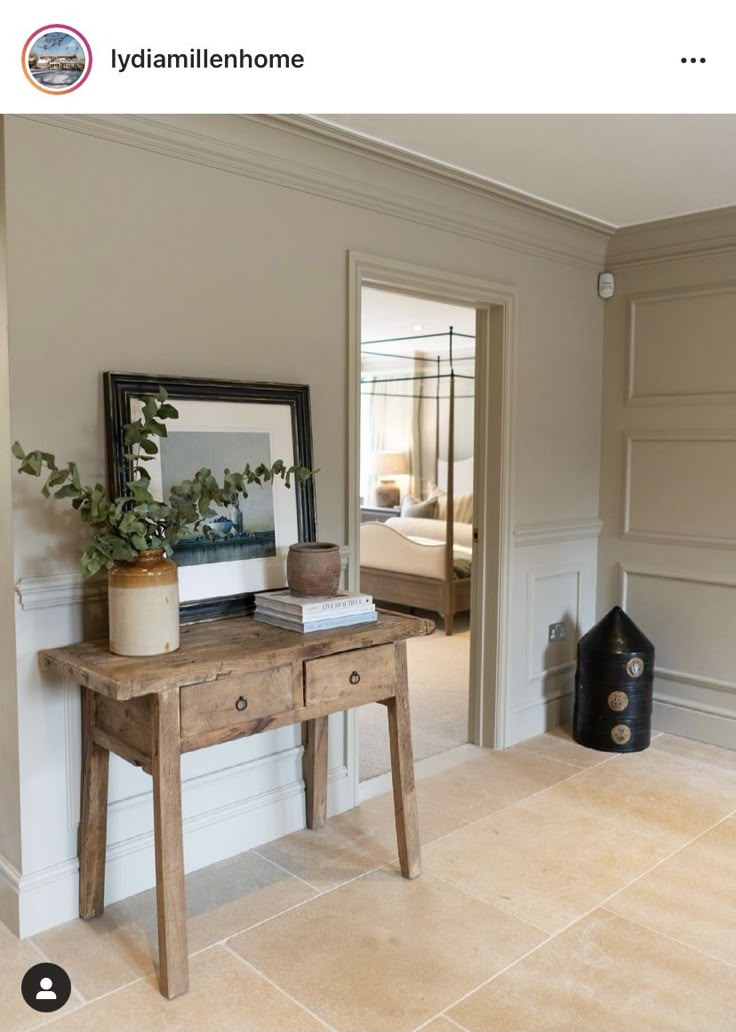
[218,647]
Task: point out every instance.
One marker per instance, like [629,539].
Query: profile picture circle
[46,987]
[56,59]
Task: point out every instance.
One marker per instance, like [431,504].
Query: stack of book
[307,613]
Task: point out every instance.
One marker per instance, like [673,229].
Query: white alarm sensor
[606,285]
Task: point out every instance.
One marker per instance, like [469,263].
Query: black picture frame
[122,389]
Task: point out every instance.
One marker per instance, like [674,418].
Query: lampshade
[389,463]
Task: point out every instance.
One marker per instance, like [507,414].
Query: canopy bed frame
[393,553]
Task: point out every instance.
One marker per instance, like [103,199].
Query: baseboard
[542,716]
[50,897]
[691,719]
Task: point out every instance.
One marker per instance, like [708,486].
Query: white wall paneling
[668,461]
[554,580]
[680,487]
[680,345]
[694,687]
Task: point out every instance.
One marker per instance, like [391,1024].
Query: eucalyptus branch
[131,523]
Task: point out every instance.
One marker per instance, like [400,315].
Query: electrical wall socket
[557,631]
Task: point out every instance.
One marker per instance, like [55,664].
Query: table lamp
[386,466]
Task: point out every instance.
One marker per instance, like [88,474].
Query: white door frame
[496,307]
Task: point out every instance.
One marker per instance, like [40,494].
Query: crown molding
[554,235]
[398,157]
[703,234]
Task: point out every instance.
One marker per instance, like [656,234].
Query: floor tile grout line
[581,917]
[568,763]
[296,906]
[387,865]
[469,822]
[488,902]
[280,989]
[435,1017]
[666,935]
[41,953]
[550,788]
[286,870]
[453,1022]
[545,756]
[522,799]
[89,1002]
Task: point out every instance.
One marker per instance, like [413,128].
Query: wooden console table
[229,679]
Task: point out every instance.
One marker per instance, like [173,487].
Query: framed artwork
[224,424]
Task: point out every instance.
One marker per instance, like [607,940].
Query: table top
[218,648]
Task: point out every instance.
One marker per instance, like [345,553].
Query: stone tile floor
[563,889]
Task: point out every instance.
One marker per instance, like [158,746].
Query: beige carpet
[438,691]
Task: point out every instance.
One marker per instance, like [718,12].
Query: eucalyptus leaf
[135,521]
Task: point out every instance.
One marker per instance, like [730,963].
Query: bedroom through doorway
[417,429]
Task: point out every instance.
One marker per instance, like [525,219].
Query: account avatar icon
[46,987]
[56,59]
[45,992]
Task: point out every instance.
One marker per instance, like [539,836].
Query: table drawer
[350,674]
[238,699]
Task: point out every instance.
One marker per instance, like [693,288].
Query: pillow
[416,508]
[462,506]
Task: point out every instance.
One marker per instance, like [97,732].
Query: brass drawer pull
[355,677]
[241,704]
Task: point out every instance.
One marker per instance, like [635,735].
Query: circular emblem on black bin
[618,701]
[46,987]
[635,666]
[620,734]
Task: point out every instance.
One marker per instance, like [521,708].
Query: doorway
[417,376]
[494,307]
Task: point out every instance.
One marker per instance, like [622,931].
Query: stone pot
[144,605]
[313,568]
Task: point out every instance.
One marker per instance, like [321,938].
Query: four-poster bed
[421,562]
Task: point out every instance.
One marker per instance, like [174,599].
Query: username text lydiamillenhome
[202,58]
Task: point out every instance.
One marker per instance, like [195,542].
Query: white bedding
[384,547]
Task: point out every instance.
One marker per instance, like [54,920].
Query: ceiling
[385,313]
[620,169]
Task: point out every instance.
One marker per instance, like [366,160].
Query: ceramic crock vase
[313,568]
[144,605]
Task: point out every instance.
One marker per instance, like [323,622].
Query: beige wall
[217,246]
[668,477]
[9,768]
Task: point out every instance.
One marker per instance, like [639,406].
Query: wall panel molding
[691,678]
[67,589]
[701,436]
[533,578]
[59,589]
[635,301]
[567,240]
[694,680]
[659,574]
[562,530]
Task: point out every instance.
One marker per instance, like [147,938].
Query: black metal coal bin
[613,686]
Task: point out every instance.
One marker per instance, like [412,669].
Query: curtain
[387,422]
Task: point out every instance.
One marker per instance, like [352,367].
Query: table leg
[92,815]
[402,771]
[170,897]
[315,770]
